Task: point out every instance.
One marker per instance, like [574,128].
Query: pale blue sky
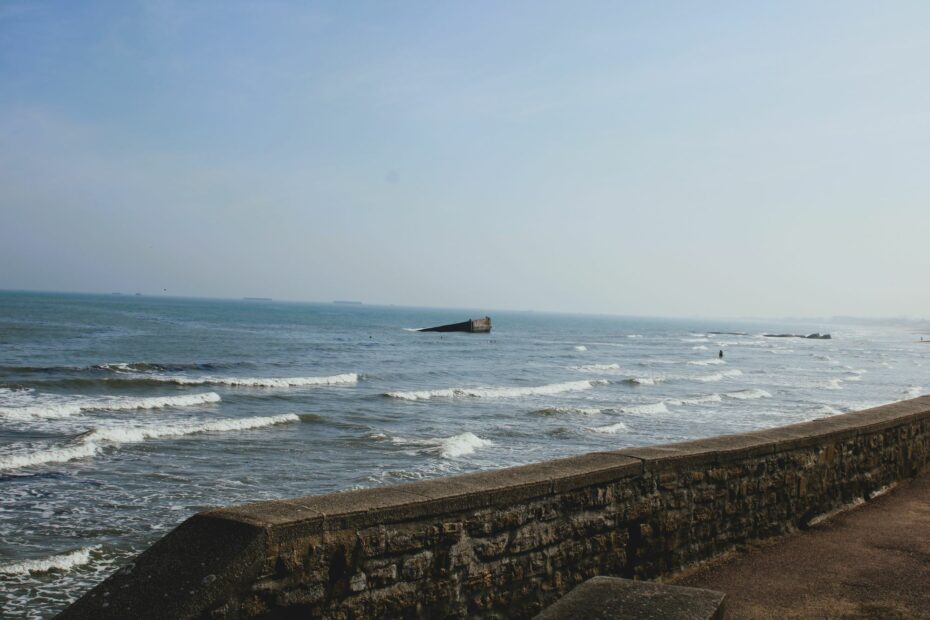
[672,158]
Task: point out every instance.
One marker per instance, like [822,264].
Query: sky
[649,158]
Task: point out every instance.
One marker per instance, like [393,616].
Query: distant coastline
[342,302]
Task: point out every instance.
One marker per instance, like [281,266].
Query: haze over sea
[121,416]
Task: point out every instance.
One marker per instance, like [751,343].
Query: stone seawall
[509,542]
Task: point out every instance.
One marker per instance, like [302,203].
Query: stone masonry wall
[507,543]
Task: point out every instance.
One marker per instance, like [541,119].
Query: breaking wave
[498,392]
[611,429]
[52,406]
[914,391]
[61,562]
[719,376]
[270,382]
[711,362]
[114,367]
[597,367]
[581,347]
[697,400]
[646,409]
[645,380]
[568,410]
[751,394]
[447,447]
[90,443]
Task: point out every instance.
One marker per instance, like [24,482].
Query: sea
[123,415]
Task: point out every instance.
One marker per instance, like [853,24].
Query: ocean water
[121,416]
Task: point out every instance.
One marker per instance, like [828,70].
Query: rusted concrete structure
[511,542]
[473,326]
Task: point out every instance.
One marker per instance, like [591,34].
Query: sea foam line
[63,562]
[697,400]
[498,392]
[56,407]
[596,367]
[269,382]
[89,444]
[750,394]
[619,427]
[718,376]
[646,409]
[710,362]
[568,410]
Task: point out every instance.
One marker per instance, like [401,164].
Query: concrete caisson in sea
[473,326]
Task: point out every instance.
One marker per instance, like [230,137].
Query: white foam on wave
[90,443]
[699,347]
[719,376]
[750,394]
[645,380]
[914,391]
[499,392]
[711,362]
[135,434]
[596,367]
[54,406]
[697,400]
[830,384]
[460,445]
[49,455]
[610,429]
[646,409]
[568,410]
[269,382]
[61,562]
[581,347]
[827,410]
[634,336]
[447,447]
[695,340]
[116,366]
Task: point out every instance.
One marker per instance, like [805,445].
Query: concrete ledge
[510,541]
[611,598]
[365,507]
[203,560]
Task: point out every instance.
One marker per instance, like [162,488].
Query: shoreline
[641,512]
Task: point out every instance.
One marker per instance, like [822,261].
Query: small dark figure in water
[720,355]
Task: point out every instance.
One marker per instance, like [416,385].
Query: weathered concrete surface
[203,560]
[474,326]
[509,543]
[612,598]
[870,562]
